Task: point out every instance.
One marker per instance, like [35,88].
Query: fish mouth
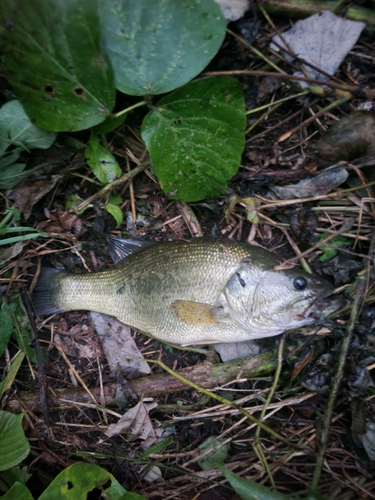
[322,306]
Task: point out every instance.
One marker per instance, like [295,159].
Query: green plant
[65,61]
[17,134]
[75,481]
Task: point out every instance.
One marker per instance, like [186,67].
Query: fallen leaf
[61,223]
[233,9]
[27,193]
[119,346]
[322,40]
[11,252]
[321,184]
[136,423]
[229,351]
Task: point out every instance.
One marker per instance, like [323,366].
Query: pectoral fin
[195,313]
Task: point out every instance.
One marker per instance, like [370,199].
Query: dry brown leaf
[119,346]
[27,193]
[136,423]
[62,223]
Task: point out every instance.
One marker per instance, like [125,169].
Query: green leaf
[249,490]
[77,480]
[9,157]
[12,175]
[103,164]
[115,199]
[116,212]
[216,457]
[53,58]
[16,127]
[17,492]
[14,446]
[23,332]
[133,496]
[157,448]
[7,325]
[11,375]
[15,239]
[195,137]
[110,124]
[17,474]
[156,47]
[331,250]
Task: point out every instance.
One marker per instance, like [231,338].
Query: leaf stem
[130,108]
[273,103]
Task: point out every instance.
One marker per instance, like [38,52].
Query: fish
[203,291]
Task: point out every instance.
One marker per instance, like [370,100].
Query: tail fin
[45,296]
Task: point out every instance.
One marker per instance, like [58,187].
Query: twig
[207,374]
[316,89]
[257,448]
[323,111]
[225,401]
[336,382]
[41,376]
[108,188]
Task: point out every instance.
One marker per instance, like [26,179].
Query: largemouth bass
[202,292]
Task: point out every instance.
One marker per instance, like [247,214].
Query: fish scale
[198,292]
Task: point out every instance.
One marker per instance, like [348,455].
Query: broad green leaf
[18,492]
[14,446]
[17,129]
[7,326]
[116,212]
[53,58]
[103,164]
[249,490]
[9,157]
[77,480]
[12,175]
[158,46]
[195,137]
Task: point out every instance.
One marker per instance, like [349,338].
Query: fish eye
[299,283]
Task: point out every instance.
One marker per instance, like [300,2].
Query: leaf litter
[299,400]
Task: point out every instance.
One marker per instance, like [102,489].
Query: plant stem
[224,401]
[126,110]
[323,438]
[108,188]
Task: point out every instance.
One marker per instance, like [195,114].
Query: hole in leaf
[9,25]
[48,89]
[94,494]
[78,90]
[69,485]
[177,121]
[107,484]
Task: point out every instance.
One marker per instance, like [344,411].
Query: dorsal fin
[120,248]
